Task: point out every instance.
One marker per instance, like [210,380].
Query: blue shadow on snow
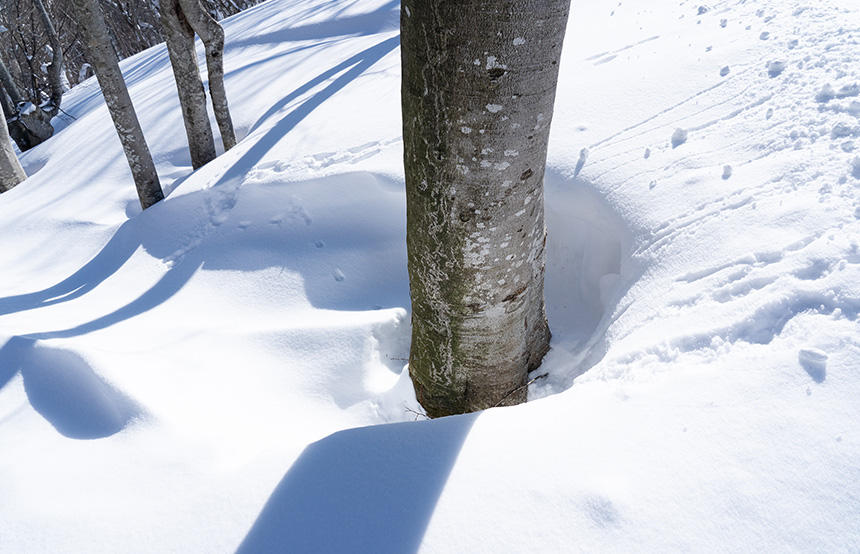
[371,489]
[64,389]
[60,385]
[123,244]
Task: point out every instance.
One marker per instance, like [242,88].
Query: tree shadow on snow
[143,230]
[64,389]
[385,18]
[371,489]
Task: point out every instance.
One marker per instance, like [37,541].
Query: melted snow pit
[588,270]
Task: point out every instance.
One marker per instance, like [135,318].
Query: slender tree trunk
[55,69]
[27,127]
[5,101]
[97,42]
[11,172]
[192,96]
[479,79]
[9,85]
[212,35]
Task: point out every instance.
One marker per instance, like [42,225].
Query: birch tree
[11,172]
[94,35]
[25,129]
[192,97]
[479,80]
[212,36]
[55,68]
[30,118]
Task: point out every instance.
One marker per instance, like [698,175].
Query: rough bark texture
[192,96]
[23,137]
[212,35]
[11,172]
[94,35]
[5,101]
[27,128]
[55,68]
[9,85]
[479,79]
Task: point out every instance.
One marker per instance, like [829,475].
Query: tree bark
[94,35]
[11,172]
[212,35]
[478,89]
[27,127]
[55,69]
[192,96]
[5,101]
[9,85]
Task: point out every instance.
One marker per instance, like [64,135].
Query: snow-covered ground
[224,371]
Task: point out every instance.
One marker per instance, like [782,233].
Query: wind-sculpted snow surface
[221,372]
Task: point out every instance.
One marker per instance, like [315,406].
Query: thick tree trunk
[212,35]
[192,96]
[97,42]
[55,69]
[11,172]
[479,79]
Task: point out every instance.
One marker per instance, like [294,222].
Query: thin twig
[521,387]
[417,414]
[67,113]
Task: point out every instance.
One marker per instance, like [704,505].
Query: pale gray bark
[212,35]
[192,96]
[55,68]
[5,101]
[94,35]
[9,84]
[11,172]
[479,79]
[27,128]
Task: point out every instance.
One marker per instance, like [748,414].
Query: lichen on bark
[478,91]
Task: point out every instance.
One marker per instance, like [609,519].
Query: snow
[225,370]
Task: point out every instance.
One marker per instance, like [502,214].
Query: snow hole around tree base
[589,269]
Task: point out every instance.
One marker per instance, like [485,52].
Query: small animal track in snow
[679,137]
[814,361]
[775,68]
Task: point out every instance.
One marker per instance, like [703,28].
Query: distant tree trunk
[479,80]
[27,128]
[9,85]
[212,35]
[11,172]
[192,96]
[97,42]
[55,69]
[25,136]
[5,101]
[30,122]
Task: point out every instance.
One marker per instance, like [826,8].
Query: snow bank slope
[164,376]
